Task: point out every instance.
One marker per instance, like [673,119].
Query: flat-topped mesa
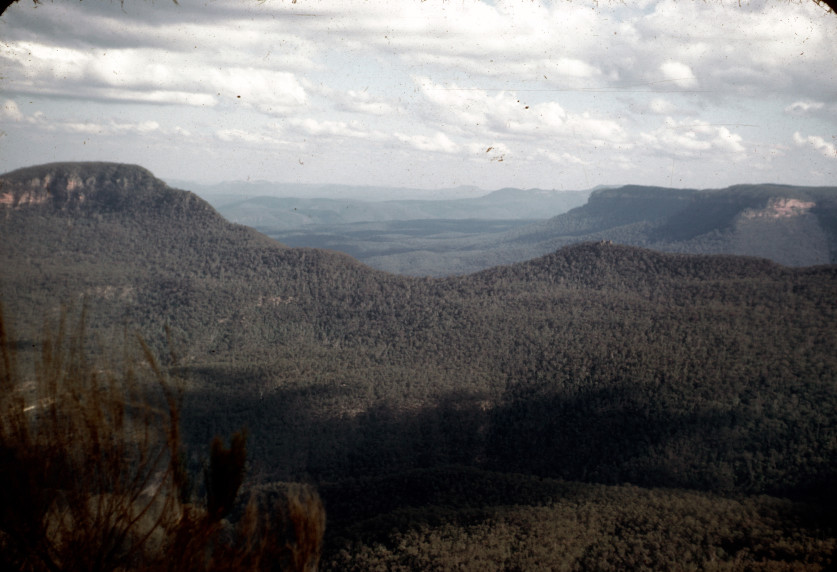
[70,185]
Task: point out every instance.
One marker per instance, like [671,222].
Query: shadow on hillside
[621,434]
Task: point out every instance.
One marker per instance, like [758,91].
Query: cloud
[560,158]
[257,138]
[314,127]
[661,106]
[660,46]
[738,50]
[820,144]
[75,125]
[690,138]
[363,102]
[351,101]
[804,107]
[437,143]
[146,75]
[550,85]
[507,114]
[678,73]
[272,92]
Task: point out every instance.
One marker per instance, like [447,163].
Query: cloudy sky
[564,94]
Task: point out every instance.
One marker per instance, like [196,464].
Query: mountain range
[598,363]
[295,213]
[794,226]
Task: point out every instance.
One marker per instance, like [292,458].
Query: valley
[618,373]
[794,226]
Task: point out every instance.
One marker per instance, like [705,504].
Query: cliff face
[780,208]
[70,185]
[98,189]
[786,230]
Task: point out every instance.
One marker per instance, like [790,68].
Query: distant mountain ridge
[218,193]
[791,225]
[794,226]
[274,213]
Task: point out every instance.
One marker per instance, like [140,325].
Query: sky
[426,94]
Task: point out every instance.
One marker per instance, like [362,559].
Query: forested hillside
[596,363]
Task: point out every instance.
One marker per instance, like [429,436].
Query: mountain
[597,363]
[219,194]
[376,225]
[279,214]
[794,226]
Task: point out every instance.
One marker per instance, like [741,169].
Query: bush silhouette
[92,479]
[225,474]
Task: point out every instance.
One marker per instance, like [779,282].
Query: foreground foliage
[92,476]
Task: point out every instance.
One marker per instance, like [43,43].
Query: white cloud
[314,127]
[363,102]
[172,97]
[101,126]
[242,135]
[507,113]
[733,50]
[820,144]
[678,74]
[437,143]
[552,85]
[661,106]
[804,107]
[154,76]
[107,128]
[272,92]
[560,157]
[691,138]
[351,101]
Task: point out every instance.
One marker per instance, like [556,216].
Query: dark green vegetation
[474,520]
[598,363]
[403,247]
[93,478]
[794,226]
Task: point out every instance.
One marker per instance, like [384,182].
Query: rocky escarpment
[94,187]
[67,185]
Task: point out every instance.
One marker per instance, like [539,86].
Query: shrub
[91,476]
